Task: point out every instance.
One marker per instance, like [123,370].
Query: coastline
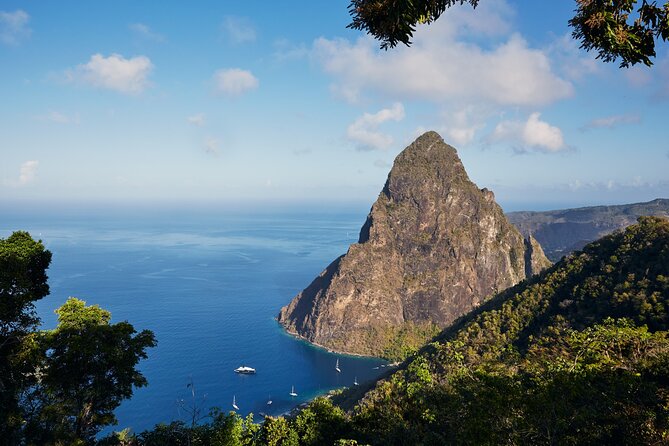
[327,349]
[384,365]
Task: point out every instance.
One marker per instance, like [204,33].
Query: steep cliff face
[433,247]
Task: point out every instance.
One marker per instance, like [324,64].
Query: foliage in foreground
[625,29]
[59,386]
[321,423]
[578,355]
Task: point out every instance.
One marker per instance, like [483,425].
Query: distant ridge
[561,232]
[433,247]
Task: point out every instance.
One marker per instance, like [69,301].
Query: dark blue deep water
[209,285]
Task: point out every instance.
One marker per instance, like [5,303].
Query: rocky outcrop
[433,247]
[535,259]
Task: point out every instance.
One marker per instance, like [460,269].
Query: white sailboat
[355,381]
[292,392]
[269,400]
[234,403]
[337,367]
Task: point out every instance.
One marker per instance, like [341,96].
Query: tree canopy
[58,386]
[625,29]
[89,368]
[23,280]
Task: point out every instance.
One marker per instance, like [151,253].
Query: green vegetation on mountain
[579,355]
[408,339]
[60,386]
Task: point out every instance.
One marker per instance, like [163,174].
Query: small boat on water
[355,381]
[269,400]
[234,403]
[337,367]
[292,392]
[244,370]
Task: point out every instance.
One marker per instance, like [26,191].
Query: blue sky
[272,102]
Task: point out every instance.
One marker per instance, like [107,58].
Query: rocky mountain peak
[426,160]
[433,247]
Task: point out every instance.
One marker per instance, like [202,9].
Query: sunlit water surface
[209,286]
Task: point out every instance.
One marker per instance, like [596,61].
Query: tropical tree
[278,432]
[625,29]
[88,368]
[23,280]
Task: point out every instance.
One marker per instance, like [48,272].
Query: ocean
[209,284]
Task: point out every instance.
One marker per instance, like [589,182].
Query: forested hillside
[579,355]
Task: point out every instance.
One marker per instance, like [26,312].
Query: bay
[209,285]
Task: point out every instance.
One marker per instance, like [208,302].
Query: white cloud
[234,81]
[146,32]
[461,135]
[14,27]
[461,126]
[442,65]
[364,130]
[238,29]
[27,174]
[533,134]
[197,120]
[115,72]
[610,122]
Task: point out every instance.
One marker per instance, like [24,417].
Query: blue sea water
[209,285]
